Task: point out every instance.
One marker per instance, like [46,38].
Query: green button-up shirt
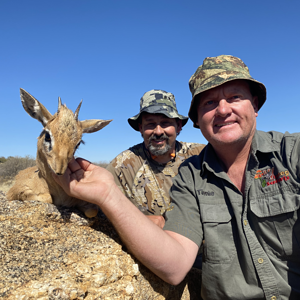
[251,241]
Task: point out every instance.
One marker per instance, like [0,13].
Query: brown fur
[55,148]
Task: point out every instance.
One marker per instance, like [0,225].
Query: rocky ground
[49,252]
[5,186]
[2,195]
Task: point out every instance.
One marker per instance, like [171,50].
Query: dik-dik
[56,146]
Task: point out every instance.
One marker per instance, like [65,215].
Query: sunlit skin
[227,119]
[158,125]
[227,116]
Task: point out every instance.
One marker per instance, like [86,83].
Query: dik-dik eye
[78,145]
[47,137]
[81,142]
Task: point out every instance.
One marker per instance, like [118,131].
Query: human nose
[223,108]
[158,130]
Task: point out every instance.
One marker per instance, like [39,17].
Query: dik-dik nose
[60,166]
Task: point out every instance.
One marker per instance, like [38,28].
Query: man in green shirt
[239,197]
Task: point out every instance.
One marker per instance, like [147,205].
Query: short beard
[159,150]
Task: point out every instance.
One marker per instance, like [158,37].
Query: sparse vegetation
[101,163]
[13,164]
[2,159]
[9,168]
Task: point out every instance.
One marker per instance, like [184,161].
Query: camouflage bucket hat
[218,70]
[157,102]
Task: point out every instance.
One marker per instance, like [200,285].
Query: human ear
[179,125]
[140,128]
[255,105]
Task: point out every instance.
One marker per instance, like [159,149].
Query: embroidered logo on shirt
[267,177]
[205,193]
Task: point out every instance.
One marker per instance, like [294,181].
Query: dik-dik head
[62,131]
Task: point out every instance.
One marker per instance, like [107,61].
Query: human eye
[165,123]
[150,125]
[208,103]
[234,98]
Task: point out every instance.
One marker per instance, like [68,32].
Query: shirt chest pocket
[218,245]
[278,222]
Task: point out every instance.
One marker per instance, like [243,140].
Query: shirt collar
[210,160]
[264,142]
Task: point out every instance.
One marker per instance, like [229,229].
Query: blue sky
[109,53]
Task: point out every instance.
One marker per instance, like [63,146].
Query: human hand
[158,220]
[85,181]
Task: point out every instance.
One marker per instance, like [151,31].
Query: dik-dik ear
[90,126]
[34,108]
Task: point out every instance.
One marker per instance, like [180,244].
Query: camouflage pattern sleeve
[135,178]
[190,149]
[116,167]
[194,149]
[145,182]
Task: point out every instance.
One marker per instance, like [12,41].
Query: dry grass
[13,165]
[102,164]
[5,185]
[10,168]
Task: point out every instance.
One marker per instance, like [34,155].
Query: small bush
[2,159]
[102,164]
[14,164]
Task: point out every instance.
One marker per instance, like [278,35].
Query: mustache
[158,138]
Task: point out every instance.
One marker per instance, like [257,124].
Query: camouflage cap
[218,70]
[157,102]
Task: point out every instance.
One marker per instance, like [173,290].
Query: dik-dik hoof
[91,212]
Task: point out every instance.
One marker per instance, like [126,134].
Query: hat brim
[155,109]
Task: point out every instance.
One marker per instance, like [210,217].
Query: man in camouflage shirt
[144,172]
